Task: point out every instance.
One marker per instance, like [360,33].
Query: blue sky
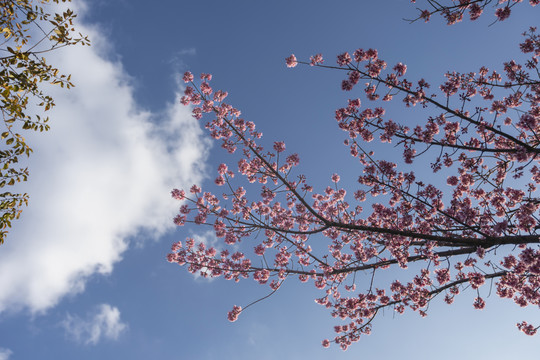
[83,274]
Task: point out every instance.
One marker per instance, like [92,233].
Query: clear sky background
[83,274]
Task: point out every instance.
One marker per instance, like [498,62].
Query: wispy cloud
[188,51]
[105,323]
[5,353]
[99,177]
[177,59]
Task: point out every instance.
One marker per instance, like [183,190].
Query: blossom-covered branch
[453,11]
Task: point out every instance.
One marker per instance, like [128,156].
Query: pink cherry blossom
[291,61]
[279,146]
[316,60]
[188,77]
[502,13]
[178,194]
[233,314]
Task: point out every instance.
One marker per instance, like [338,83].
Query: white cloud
[5,353]
[101,175]
[103,324]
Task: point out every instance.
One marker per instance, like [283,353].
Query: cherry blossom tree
[473,221]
